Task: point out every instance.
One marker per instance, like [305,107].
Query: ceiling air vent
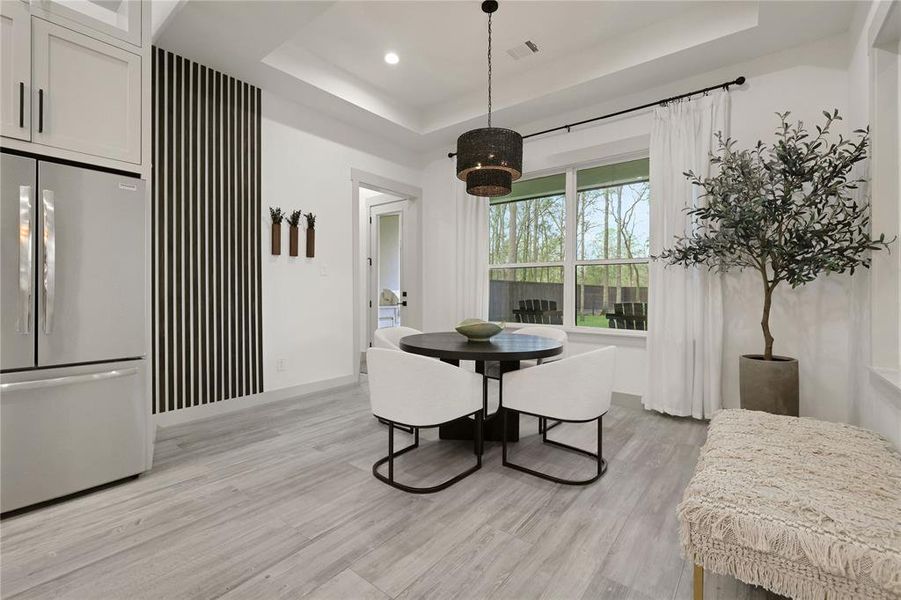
[521,51]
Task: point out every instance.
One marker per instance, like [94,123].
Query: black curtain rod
[737,81]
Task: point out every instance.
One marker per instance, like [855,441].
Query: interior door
[17,260]
[87,94]
[15,69]
[387,277]
[92,260]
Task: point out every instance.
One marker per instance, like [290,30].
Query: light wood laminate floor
[279,502]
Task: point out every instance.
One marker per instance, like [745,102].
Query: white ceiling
[443,45]
[329,55]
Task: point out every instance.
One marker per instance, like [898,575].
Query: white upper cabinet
[118,18]
[87,94]
[15,69]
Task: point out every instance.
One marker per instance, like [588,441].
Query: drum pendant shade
[489,159]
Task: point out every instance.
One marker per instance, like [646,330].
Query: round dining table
[506,348]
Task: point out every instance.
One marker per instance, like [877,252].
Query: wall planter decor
[293,233]
[311,235]
[277,217]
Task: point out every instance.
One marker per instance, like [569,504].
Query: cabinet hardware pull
[39,384]
[40,111]
[21,104]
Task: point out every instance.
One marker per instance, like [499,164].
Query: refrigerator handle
[37,384]
[49,239]
[26,274]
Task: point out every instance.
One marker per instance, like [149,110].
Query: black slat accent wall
[207,321]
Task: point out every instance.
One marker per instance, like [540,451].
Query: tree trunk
[514,242]
[619,242]
[583,207]
[608,306]
[765,322]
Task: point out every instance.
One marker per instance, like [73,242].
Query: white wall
[811,324]
[308,303]
[875,400]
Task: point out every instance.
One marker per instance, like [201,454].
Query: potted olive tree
[787,211]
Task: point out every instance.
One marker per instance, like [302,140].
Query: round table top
[504,346]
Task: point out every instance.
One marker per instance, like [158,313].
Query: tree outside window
[528,242]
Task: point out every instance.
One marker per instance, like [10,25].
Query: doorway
[387,292]
[388,266]
[389,262]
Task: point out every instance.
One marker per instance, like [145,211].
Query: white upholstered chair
[389,337]
[546,332]
[574,390]
[492,370]
[418,392]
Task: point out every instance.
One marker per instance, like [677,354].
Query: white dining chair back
[389,337]
[550,333]
[577,388]
[414,390]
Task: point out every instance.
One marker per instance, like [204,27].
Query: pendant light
[489,159]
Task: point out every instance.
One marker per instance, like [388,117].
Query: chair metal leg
[599,459]
[424,490]
[478,441]
[504,435]
[401,427]
[391,452]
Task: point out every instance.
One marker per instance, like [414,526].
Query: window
[601,260]
[526,250]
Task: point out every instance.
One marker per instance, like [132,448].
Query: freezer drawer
[66,430]
[91,256]
[17,261]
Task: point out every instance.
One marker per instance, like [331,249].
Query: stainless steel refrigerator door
[91,261]
[17,261]
[68,429]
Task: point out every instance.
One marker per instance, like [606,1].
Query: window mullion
[569,254]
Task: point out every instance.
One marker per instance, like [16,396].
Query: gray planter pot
[769,385]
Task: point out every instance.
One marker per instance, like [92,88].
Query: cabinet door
[15,70]
[87,94]
[118,18]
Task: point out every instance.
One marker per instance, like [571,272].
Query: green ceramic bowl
[477,330]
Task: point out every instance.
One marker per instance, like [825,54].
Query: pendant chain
[489,69]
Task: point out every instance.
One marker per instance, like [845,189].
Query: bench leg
[699,582]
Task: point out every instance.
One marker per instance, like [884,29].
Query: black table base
[493,425]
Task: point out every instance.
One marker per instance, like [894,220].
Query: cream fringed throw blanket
[804,508]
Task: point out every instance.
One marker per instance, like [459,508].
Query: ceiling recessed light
[391,58]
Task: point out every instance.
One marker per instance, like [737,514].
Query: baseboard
[205,411]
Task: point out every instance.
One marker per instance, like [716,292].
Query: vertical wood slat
[206,220]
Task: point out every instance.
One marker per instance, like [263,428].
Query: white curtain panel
[472,253]
[685,306]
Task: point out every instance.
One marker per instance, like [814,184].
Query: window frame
[570,245]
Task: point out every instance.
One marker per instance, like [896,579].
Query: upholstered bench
[803,508]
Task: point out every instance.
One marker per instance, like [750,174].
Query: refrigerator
[73,410]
